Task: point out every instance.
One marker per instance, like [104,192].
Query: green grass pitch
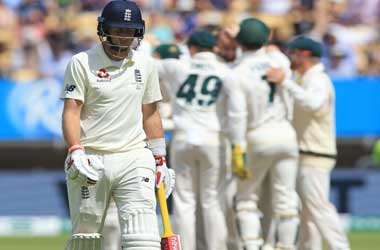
[359,241]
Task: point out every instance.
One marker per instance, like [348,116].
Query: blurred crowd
[37,38]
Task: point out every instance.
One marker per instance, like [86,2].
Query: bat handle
[164,212]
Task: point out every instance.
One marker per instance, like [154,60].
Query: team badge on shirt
[103,76]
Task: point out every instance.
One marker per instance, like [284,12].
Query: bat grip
[164,212]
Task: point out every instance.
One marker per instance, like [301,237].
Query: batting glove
[78,167]
[164,175]
[239,167]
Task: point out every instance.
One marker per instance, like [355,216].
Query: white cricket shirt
[111,118]
[255,102]
[314,116]
[199,97]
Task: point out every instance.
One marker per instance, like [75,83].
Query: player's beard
[229,55]
[294,65]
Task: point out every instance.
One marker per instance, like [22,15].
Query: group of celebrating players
[252,128]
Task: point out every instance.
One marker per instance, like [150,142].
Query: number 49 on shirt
[206,95]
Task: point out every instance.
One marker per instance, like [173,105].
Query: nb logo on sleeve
[70,88]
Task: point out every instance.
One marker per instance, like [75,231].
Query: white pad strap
[85,242]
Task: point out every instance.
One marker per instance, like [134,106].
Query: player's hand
[239,167]
[164,175]
[275,75]
[80,168]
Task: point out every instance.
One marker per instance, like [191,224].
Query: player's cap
[308,44]
[168,51]
[122,14]
[202,39]
[253,32]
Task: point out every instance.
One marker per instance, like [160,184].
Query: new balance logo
[127,15]
[144,179]
[70,88]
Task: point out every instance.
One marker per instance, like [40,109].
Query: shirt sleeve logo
[70,88]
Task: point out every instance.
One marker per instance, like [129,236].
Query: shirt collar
[250,53]
[205,55]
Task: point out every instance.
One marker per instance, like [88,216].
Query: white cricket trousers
[129,177]
[272,151]
[198,172]
[318,216]
[230,212]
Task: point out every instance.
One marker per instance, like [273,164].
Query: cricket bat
[169,241]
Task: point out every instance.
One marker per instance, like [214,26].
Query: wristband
[157,146]
[75,147]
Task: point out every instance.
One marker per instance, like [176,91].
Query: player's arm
[154,131]
[71,121]
[73,95]
[237,125]
[313,98]
[236,110]
[77,165]
[152,95]
[152,121]
[156,142]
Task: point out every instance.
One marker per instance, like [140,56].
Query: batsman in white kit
[114,133]
[198,148]
[261,126]
[315,125]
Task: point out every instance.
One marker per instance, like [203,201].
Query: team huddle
[253,140]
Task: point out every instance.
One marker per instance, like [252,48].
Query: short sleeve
[74,84]
[152,89]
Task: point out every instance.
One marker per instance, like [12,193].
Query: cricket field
[359,241]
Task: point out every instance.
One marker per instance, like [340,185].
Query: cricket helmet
[120,14]
[253,32]
[167,51]
[306,44]
[202,39]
